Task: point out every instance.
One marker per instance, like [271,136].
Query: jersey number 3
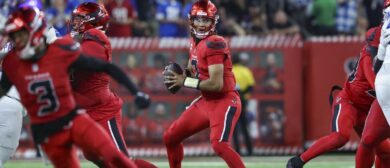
[47,97]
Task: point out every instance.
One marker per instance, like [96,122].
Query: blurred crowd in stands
[168,18]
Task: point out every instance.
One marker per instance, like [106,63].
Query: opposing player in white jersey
[10,118]
[382,66]
[10,115]
[10,124]
[377,125]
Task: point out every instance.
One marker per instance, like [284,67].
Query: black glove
[142,100]
[377,64]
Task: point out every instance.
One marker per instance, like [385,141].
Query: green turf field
[328,161]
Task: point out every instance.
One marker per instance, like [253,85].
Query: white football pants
[382,87]
[11,119]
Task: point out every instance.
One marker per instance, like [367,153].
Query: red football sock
[223,150]
[325,144]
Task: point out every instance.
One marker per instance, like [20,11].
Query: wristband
[191,83]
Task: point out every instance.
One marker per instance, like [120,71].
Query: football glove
[384,40]
[142,100]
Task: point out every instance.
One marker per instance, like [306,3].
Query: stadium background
[285,115]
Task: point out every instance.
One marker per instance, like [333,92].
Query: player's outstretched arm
[142,100]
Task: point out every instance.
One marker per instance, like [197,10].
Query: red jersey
[360,82]
[91,89]
[209,51]
[43,85]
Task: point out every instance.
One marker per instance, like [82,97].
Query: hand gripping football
[175,68]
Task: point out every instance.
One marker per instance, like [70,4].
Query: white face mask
[28,51]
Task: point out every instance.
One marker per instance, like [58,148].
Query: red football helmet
[89,15]
[386,4]
[201,10]
[31,20]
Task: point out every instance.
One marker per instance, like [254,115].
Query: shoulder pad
[95,35]
[216,42]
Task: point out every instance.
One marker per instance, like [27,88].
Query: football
[175,68]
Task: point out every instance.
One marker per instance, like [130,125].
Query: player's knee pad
[219,147]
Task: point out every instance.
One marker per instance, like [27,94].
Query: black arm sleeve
[5,84]
[93,64]
[377,65]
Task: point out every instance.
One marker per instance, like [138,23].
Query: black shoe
[295,162]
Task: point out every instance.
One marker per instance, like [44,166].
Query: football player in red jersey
[88,25]
[350,108]
[219,105]
[39,71]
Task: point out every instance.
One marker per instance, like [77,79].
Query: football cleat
[295,162]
